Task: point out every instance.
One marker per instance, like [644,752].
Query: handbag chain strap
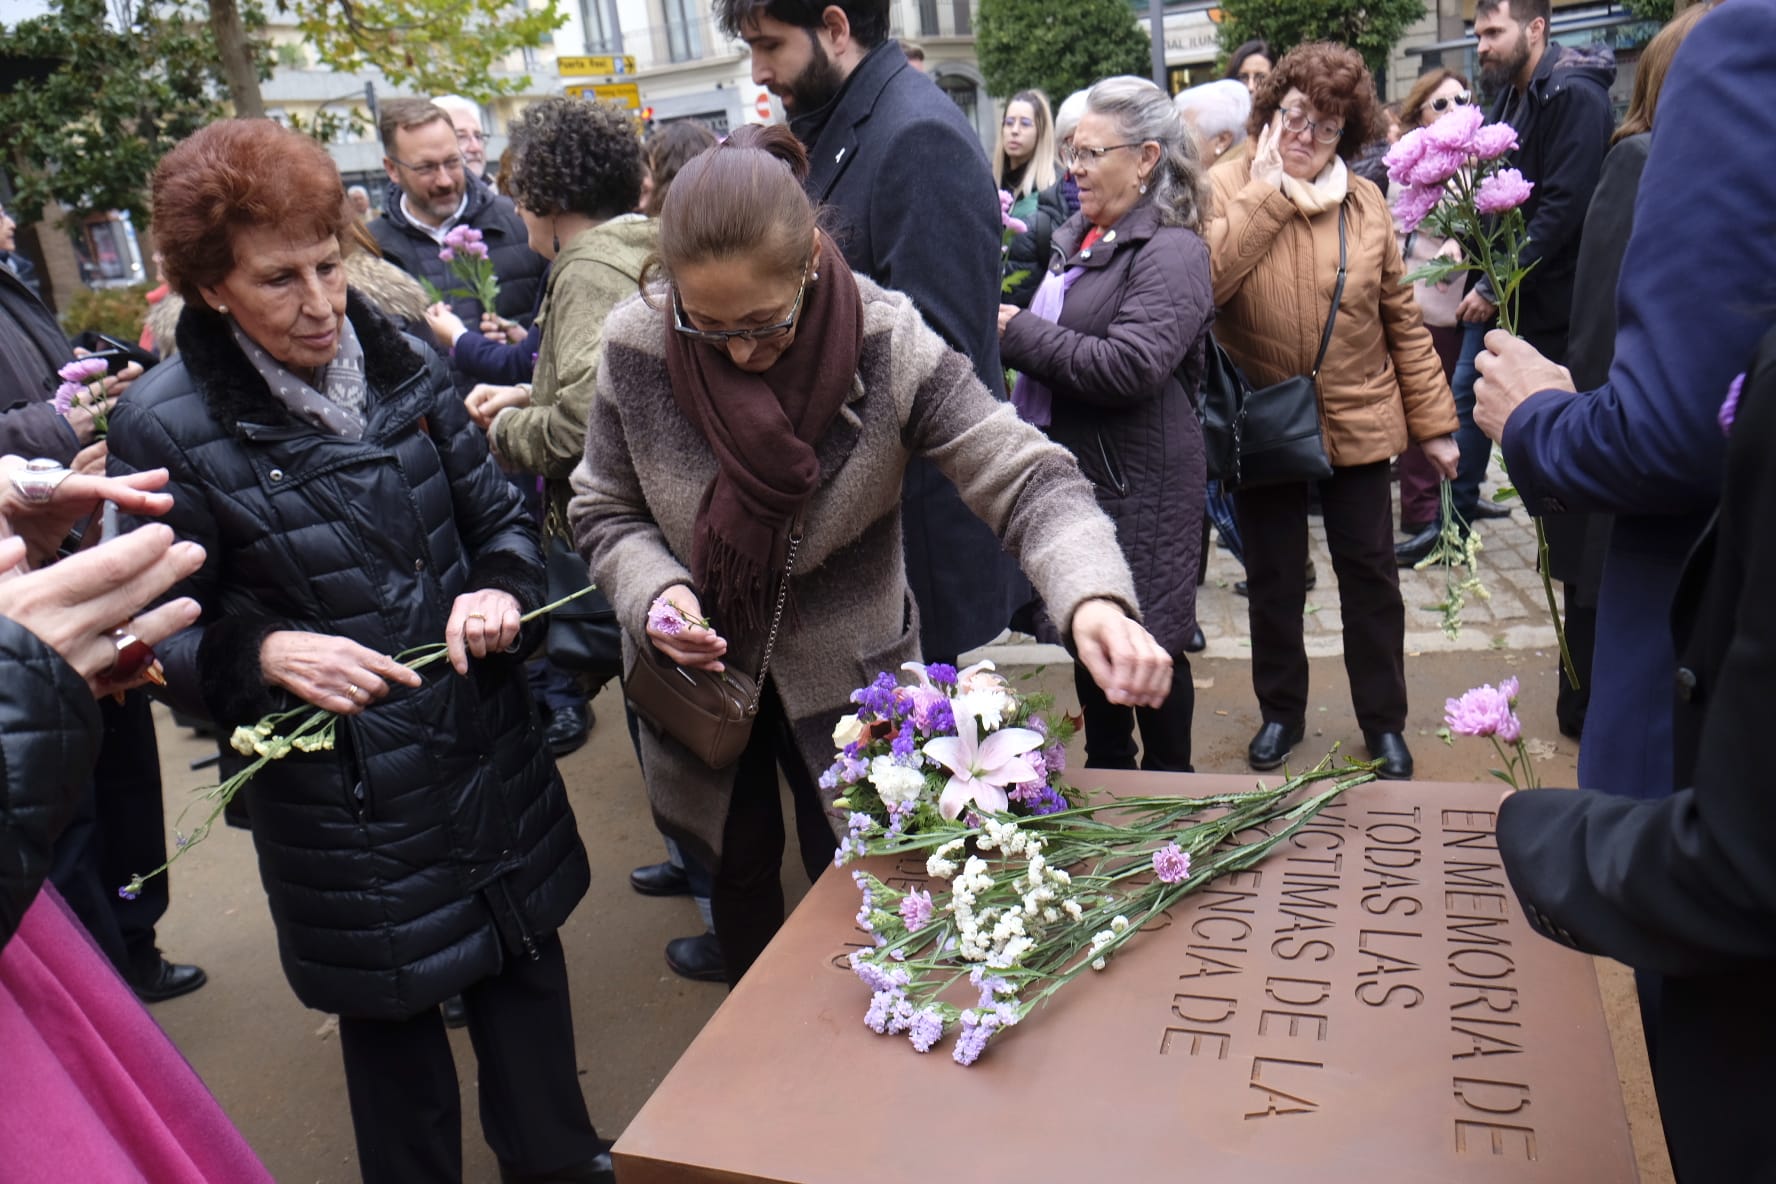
[795,543]
[1337,295]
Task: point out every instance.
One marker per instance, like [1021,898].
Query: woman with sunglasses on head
[1110,354]
[755,413]
[1292,228]
[1026,164]
[1434,95]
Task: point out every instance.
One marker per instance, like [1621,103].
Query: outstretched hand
[1122,657]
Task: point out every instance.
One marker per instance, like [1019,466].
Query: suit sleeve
[486,360]
[1163,309]
[1685,885]
[948,264]
[1697,286]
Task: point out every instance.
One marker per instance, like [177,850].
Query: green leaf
[1371,27]
[1058,48]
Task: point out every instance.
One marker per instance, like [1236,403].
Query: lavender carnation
[664,618]
[1504,190]
[1171,864]
[1494,140]
[916,910]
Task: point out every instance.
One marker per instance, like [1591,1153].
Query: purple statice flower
[881,1009]
[878,697]
[905,741]
[1730,408]
[872,975]
[1038,725]
[1171,864]
[830,778]
[83,370]
[1049,801]
[665,618]
[933,715]
[853,770]
[972,1041]
[127,892]
[941,674]
[1054,758]
[926,1029]
[990,986]
[916,910]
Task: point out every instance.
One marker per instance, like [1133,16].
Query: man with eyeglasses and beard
[1557,98]
[904,176]
[430,194]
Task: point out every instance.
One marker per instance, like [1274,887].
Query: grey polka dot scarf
[338,405]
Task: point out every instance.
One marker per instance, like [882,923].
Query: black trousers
[120,830]
[1580,622]
[747,895]
[1356,506]
[405,1104]
[1165,730]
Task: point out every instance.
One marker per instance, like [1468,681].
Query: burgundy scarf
[762,429]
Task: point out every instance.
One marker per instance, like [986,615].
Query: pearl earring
[222,308]
[1143,187]
[814,277]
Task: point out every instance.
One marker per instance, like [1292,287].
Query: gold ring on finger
[354,691]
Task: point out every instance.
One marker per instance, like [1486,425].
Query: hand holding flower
[1444,455]
[482,622]
[1511,370]
[445,325]
[333,673]
[679,630]
[1122,658]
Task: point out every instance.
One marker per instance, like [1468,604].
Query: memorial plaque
[1366,1005]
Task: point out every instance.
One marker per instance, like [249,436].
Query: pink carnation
[1455,131]
[66,396]
[82,370]
[1171,864]
[1504,190]
[916,910]
[446,254]
[1436,166]
[1015,225]
[1494,140]
[1404,155]
[665,618]
[1484,711]
[1412,206]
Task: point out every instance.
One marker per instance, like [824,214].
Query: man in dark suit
[1685,886]
[905,178]
[1697,290]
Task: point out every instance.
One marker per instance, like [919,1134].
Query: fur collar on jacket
[234,391]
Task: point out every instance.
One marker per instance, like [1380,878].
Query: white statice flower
[1051,915]
[1072,909]
[847,731]
[939,866]
[1097,964]
[1102,938]
[1119,924]
[987,705]
[895,784]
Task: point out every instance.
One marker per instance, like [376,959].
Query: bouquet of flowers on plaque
[1030,885]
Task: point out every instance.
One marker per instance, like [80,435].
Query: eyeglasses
[1295,123]
[1073,155]
[1023,121]
[474,134]
[1460,98]
[721,337]
[433,168]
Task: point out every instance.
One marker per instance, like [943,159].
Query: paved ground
[275,1065]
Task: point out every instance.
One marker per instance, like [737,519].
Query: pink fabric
[92,1089]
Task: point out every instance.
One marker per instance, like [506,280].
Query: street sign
[598,63]
[624,94]
[763,106]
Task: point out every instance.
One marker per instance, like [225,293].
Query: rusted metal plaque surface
[1367,1005]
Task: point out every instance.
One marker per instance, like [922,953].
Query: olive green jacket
[596,271]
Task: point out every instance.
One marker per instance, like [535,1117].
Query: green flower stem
[278,745]
[1566,658]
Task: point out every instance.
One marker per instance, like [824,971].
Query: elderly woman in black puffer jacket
[1111,353]
[350,512]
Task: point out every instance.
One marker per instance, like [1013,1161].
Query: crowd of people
[726,377]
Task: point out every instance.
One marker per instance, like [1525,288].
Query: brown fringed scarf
[762,428]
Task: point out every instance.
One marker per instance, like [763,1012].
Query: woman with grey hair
[1111,353]
[1215,115]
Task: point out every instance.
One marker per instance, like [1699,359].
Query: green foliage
[1058,48]
[1371,27]
[430,46]
[115,312]
[1651,10]
[107,90]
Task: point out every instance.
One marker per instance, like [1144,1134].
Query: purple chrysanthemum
[1171,864]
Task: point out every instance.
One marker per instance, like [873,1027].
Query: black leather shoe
[167,980]
[1485,508]
[1196,643]
[597,1170]
[1390,749]
[1272,745]
[697,958]
[1414,549]
[1240,588]
[1416,527]
[660,879]
[455,1014]
[567,728]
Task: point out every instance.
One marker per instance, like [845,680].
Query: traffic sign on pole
[585,65]
[763,106]
[624,94]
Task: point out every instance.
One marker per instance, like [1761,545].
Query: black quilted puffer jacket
[49,734]
[436,839]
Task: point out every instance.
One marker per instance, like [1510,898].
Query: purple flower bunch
[1454,157]
[81,387]
[904,748]
[466,252]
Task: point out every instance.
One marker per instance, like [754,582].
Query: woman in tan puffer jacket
[1273,242]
